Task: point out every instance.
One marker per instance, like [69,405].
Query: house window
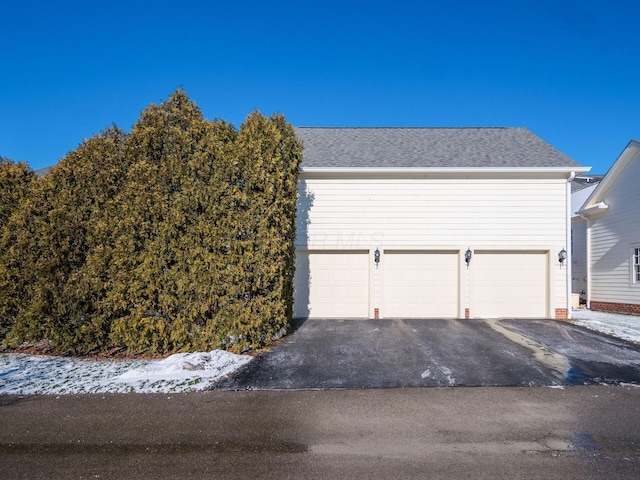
[635,264]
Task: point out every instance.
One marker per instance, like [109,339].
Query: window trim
[634,263]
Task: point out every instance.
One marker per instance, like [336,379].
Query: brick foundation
[561,314]
[376,313]
[466,313]
[628,308]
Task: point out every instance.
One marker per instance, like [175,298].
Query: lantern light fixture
[467,256]
[562,256]
[376,256]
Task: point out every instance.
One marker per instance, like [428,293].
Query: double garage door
[419,284]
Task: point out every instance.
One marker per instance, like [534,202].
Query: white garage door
[420,284]
[332,284]
[509,284]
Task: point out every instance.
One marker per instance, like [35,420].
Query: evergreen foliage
[176,236]
[15,181]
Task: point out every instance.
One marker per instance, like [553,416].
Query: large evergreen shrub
[176,236]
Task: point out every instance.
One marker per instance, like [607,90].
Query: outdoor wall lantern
[467,256]
[562,256]
[376,257]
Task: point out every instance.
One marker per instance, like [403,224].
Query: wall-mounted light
[376,257]
[562,256]
[467,256]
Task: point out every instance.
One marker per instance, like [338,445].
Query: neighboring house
[612,239]
[581,188]
[41,172]
[387,218]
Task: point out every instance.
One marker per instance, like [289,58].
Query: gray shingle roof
[585,181]
[427,148]
[41,172]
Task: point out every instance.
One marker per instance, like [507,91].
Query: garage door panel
[509,284]
[332,284]
[420,284]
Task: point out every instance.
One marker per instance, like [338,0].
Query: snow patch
[47,375]
[626,327]
[449,375]
[440,372]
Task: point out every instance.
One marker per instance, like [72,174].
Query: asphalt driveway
[388,353]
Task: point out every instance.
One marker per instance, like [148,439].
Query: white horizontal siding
[579,255]
[430,213]
[435,213]
[614,233]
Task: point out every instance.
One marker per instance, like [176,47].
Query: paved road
[437,352]
[583,432]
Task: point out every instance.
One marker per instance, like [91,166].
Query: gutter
[368,170]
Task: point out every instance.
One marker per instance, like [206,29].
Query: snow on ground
[49,375]
[626,327]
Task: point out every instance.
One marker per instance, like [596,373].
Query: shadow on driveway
[392,353]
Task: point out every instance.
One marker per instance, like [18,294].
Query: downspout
[568,247]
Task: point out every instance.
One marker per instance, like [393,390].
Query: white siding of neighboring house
[579,240]
[413,212]
[579,255]
[613,235]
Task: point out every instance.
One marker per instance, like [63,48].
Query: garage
[509,284]
[420,284]
[332,284]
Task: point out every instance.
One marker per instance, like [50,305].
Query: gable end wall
[613,235]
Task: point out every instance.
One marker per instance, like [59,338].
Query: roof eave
[630,152]
[594,209]
[453,170]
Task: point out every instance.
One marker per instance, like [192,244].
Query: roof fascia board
[630,152]
[455,170]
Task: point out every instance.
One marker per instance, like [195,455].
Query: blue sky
[567,70]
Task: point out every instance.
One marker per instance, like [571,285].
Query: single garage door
[420,284]
[332,284]
[508,284]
